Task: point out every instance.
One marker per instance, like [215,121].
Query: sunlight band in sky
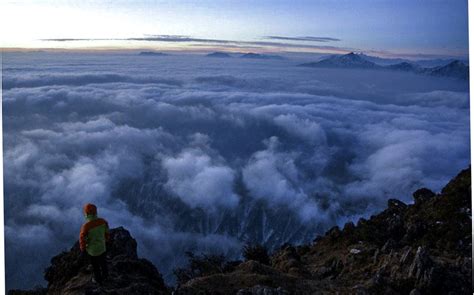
[396,28]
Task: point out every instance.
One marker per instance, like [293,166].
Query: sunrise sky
[387,28]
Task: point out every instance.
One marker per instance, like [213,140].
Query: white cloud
[303,128]
[274,177]
[199,182]
[193,154]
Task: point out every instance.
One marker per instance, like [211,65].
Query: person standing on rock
[92,240]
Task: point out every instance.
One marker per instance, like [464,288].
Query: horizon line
[203,50]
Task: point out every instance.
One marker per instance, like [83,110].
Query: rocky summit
[419,248]
[71,274]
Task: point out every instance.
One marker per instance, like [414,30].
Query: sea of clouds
[195,153]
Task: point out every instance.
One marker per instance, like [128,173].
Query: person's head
[90,209]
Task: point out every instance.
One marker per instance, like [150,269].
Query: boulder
[71,274]
[422,195]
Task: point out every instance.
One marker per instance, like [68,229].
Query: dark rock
[414,231]
[317,239]
[376,256]
[334,232]
[348,227]
[256,252]
[396,205]
[427,276]
[361,222]
[406,255]
[389,246]
[262,290]
[256,267]
[70,272]
[420,264]
[422,195]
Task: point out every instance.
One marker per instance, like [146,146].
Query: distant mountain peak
[251,54]
[260,56]
[218,54]
[455,69]
[152,53]
[350,60]
[457,63]
[405,66]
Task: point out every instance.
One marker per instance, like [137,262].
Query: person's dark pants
[99,266]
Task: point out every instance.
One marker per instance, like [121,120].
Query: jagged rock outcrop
[70,273]
[422,195]
[422,248]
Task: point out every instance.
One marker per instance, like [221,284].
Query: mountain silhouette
[252,55]
[455,69]
[218,54]
[350,60]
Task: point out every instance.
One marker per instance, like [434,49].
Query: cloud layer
[279,42]
[192,153]
[306,38]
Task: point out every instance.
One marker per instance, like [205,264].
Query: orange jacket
[94,233]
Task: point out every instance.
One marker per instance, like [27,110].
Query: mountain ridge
[419,248]
[152,53]
[455,69]
[350,60]
[252,55]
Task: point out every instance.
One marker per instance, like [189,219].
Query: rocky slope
[421,248]
[70,273]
